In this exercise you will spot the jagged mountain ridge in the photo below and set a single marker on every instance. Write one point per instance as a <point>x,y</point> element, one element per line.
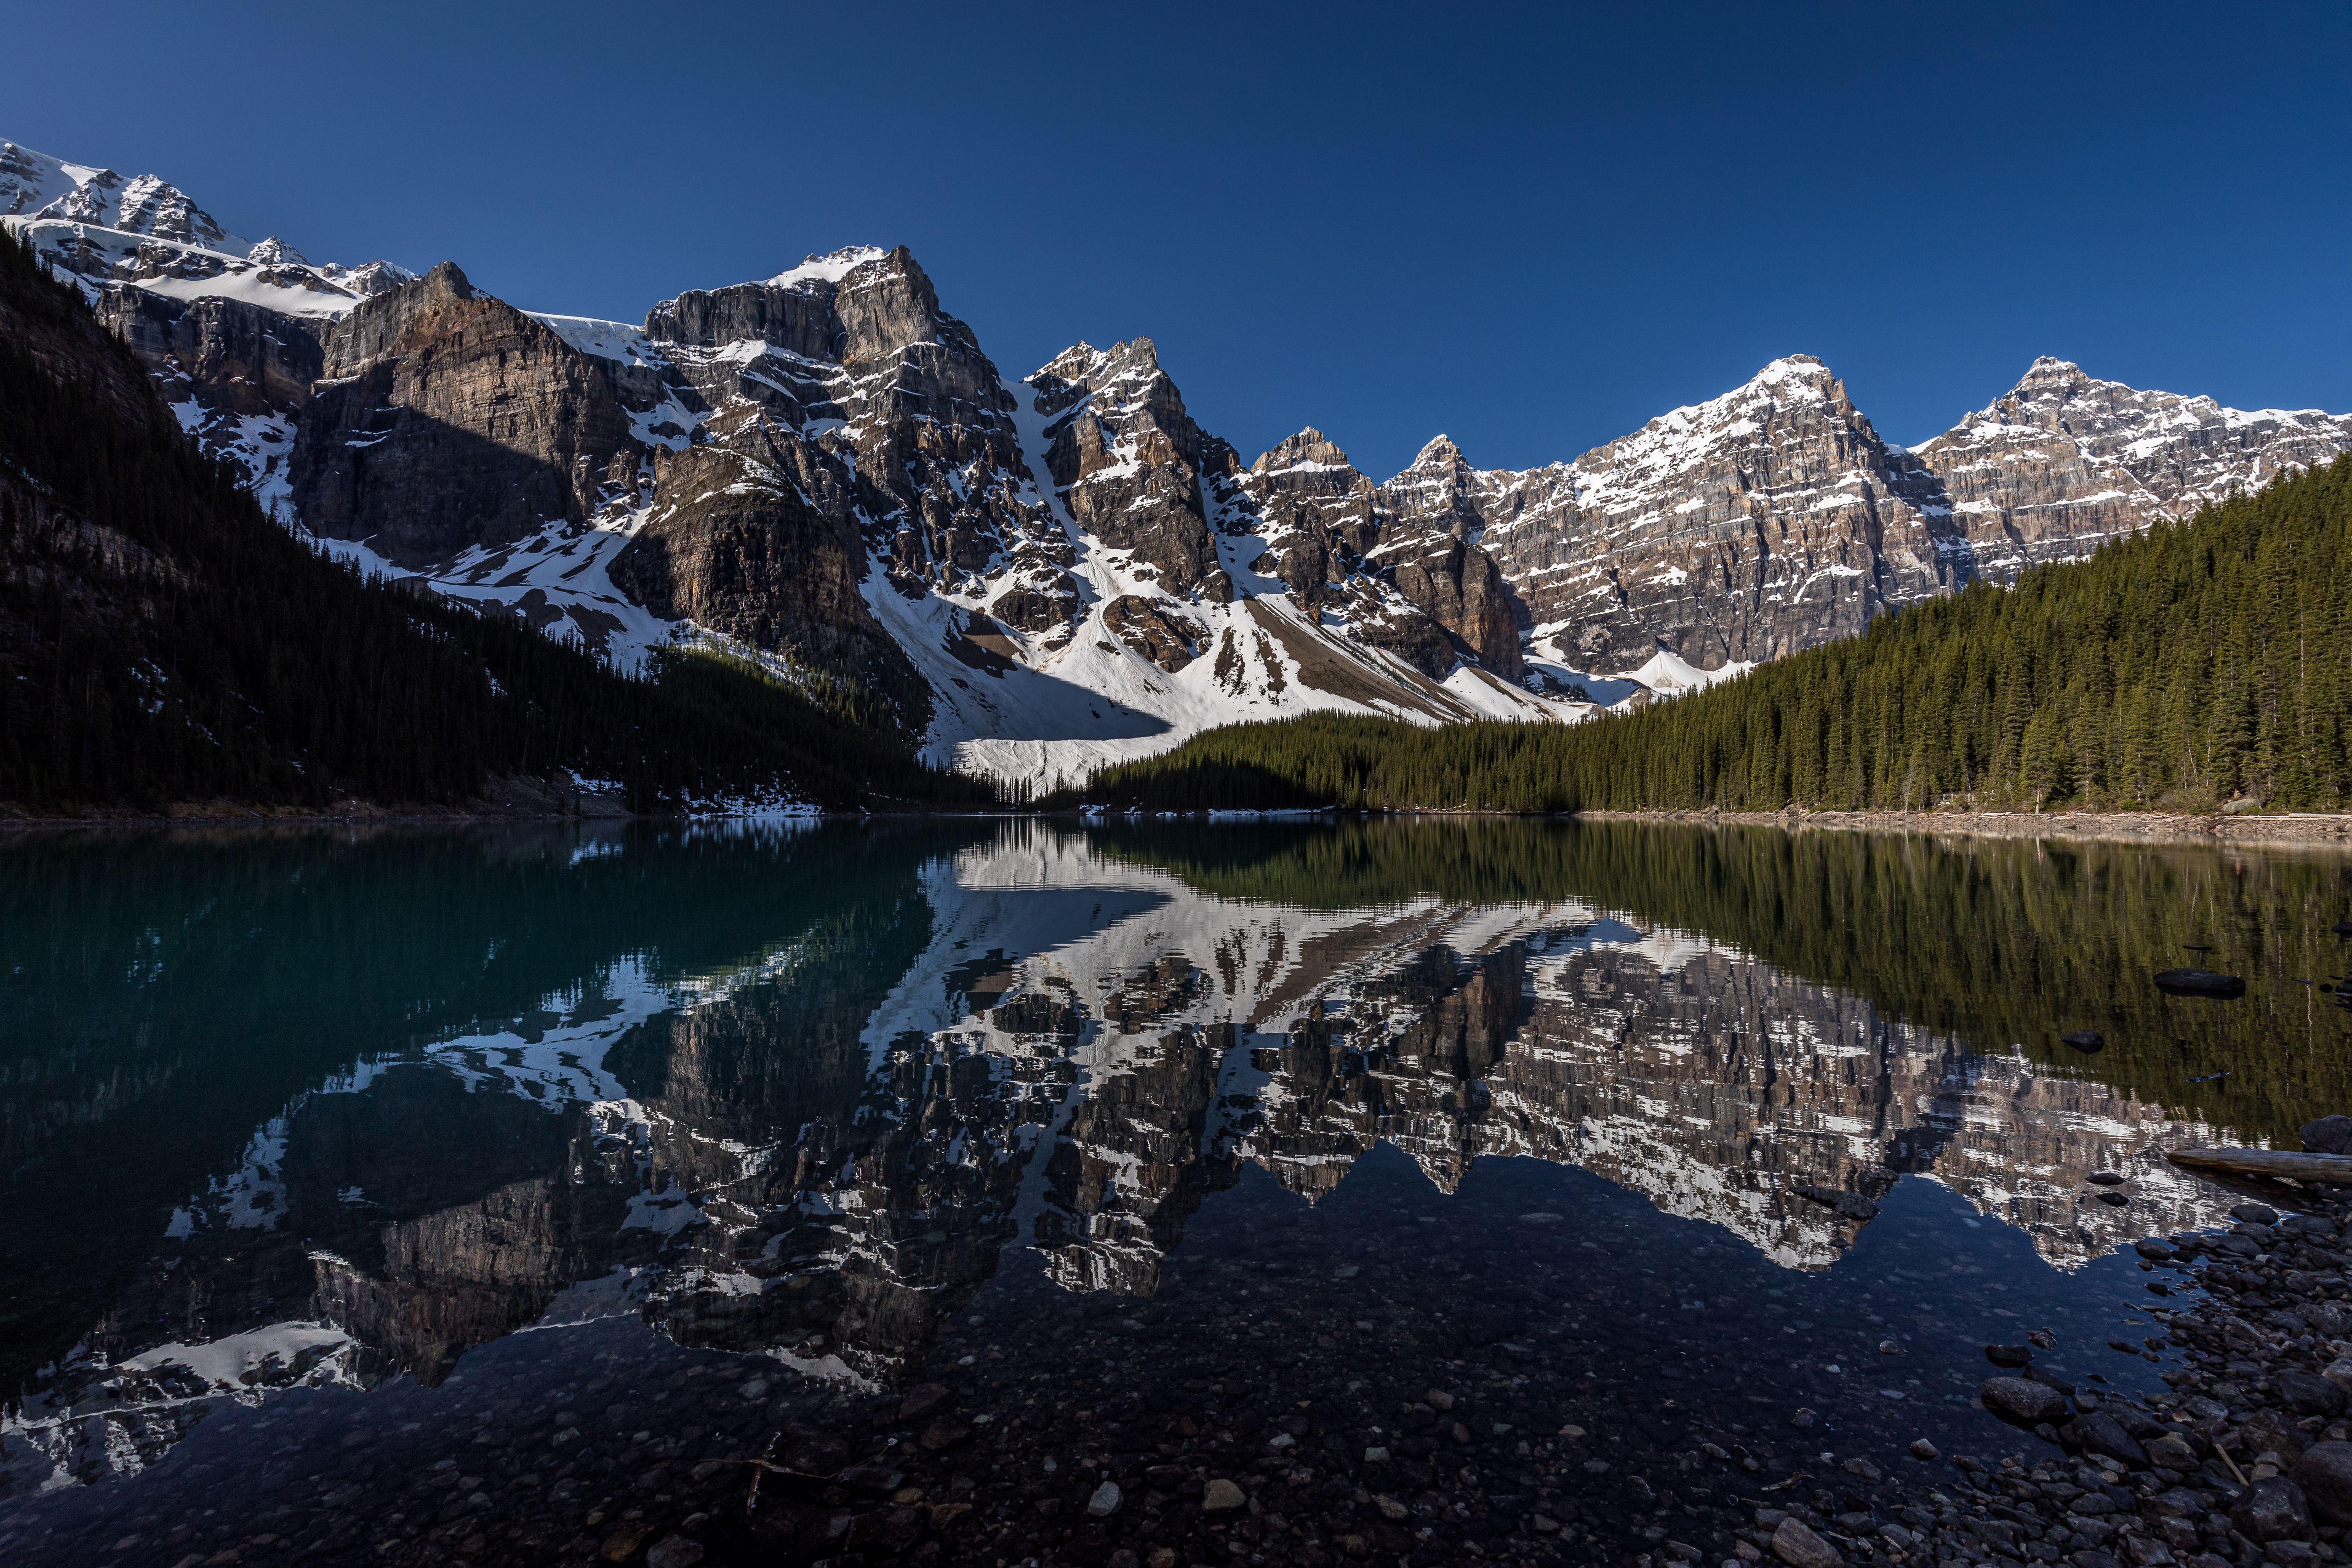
<point>824,468</point>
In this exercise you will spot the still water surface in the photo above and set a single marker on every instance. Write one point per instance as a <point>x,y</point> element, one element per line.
<point>328,1153</point>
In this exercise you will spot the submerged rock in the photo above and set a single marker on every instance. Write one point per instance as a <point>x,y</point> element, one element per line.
<point>2200,983</point>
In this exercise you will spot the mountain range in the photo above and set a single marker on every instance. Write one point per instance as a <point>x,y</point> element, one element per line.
<point>1031,578</point>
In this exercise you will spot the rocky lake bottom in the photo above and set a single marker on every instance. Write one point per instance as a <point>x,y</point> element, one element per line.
<point>857,1197</point>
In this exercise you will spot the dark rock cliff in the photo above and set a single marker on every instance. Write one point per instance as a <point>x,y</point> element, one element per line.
<point>446,418</point>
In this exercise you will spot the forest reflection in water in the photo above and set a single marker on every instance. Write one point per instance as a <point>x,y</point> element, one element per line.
<point>316,1110</point>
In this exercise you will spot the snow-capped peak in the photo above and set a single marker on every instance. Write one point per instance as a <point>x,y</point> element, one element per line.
<point>831,268</point>
<point>33,184</point>
<point>275,252</point>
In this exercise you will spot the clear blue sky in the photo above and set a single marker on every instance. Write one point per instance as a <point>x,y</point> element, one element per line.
<point>1531,228</point>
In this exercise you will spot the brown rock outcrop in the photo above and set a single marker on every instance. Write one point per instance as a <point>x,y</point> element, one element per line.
<point>446,418</point>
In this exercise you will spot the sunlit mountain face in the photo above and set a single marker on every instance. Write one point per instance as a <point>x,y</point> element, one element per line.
<point>845,1110</point>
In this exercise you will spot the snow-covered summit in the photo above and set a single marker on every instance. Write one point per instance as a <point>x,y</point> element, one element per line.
<point>34,184</point>
<point>831,268</point>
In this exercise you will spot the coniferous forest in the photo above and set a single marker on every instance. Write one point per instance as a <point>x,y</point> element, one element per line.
<point>2198,665</point>
<point>162,640</point>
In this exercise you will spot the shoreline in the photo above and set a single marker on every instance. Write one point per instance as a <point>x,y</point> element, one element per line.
<point>2295,831</point>
<point>2285,831</point>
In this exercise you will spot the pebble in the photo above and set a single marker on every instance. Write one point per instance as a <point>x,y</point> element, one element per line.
<point>1221,1496</point>
<point>1106,1498</point>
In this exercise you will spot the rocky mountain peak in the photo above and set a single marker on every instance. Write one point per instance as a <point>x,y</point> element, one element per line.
<point>445,278</point>
<point>275,252</point>
<point>1440,454</point>
<point>887,303</point>
<point>1311,450</point>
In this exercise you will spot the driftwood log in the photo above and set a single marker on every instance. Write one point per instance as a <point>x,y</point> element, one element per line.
<point>2335,1170</point>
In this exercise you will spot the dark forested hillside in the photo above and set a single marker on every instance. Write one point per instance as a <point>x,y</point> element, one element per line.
<point>2196,664</point>
<point>162,640</point>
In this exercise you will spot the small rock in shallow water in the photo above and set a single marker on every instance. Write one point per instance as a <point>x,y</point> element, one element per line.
<point>2007,1355</point>
<point>1888,1347</point>
<point>2042,1339</point>
<point>2200,983</point>
<point>1922,1449</point>
<point>1803,1417</point>
<point>674,1551</point>
<point>1106,1498</point>
<point>2083,1039</point>
<point>2019,1400</point>
<point>1220,1496</point>
<point>2106,1178</point>
<point>2255,1214</point>
<point>2156,1251</point>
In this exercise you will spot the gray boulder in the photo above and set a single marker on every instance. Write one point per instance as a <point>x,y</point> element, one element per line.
<point>2103,1434</point>
<point>1797,1545</point>
<point>2324,1474</point>
<point>2328,1135</point>
<point>2272,1509</point>
<point>2018,1399</point>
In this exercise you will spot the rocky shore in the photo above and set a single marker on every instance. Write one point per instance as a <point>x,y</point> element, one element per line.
<point>2248,1460</point>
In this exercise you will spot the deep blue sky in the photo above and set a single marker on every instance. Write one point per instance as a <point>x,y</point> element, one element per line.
<point>1533,229</point>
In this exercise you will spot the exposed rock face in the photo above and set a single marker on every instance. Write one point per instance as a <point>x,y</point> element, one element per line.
<point>1775,517</point>
<point>1164,636</point>
<point>239,373</point>
<point>234,357</point>
<point>1768,519</point>
<point>446,418</point>
<point>885,411</point>
<point>1334,536</point>
<point>2064,462</point>
<point>1129,460</point>
<point>732,544</point>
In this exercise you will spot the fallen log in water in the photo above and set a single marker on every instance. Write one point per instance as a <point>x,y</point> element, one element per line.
<point>2329,1169</point>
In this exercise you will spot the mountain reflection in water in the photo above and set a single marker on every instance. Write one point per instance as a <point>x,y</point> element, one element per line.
<point>306,1109</point>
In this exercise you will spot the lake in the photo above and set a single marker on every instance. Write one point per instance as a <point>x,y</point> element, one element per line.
<point>1516,1190</point>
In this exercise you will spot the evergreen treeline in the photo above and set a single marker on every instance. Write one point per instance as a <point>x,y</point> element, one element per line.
<point>2195,663</point>
<point>162,640</point>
